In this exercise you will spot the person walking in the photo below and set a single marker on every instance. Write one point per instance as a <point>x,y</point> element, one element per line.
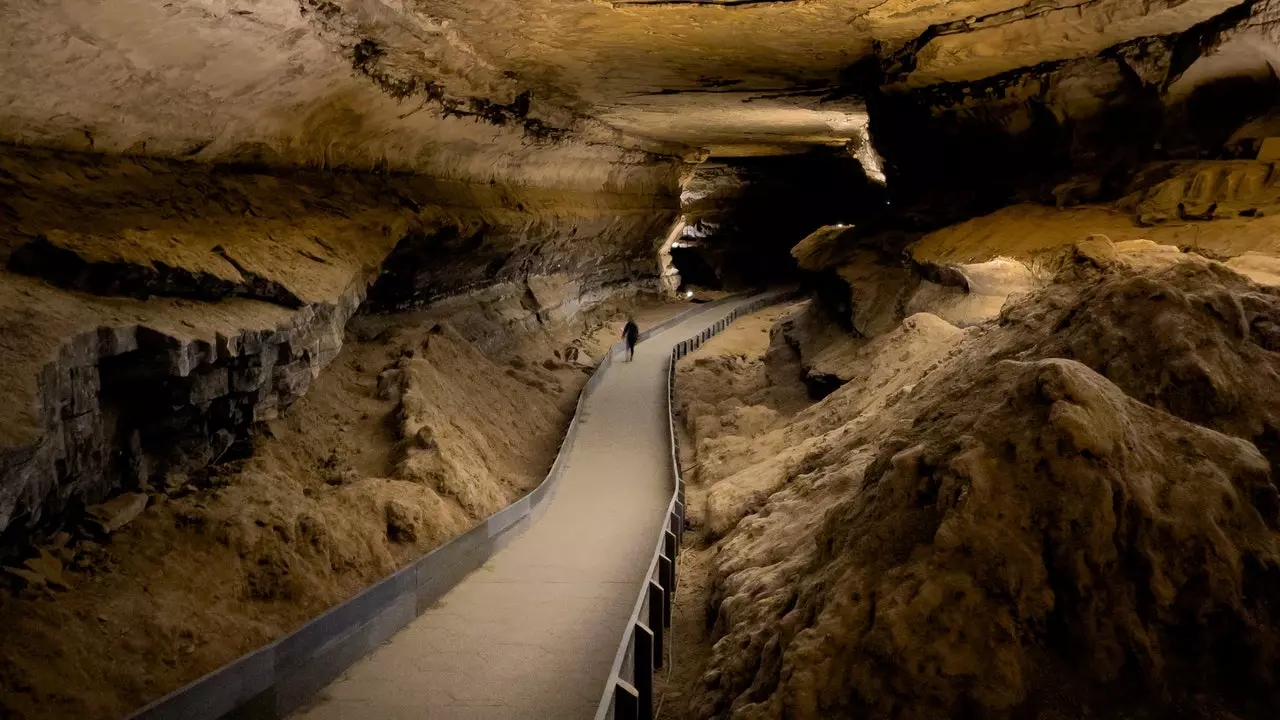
<point>631,335</point>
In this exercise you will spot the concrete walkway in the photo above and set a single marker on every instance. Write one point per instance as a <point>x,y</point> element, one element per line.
<point>532,634</point>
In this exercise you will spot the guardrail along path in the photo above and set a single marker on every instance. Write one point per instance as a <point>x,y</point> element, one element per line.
<point>534,632</point>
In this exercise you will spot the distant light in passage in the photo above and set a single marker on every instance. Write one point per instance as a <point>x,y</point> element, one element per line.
<point>688,293</point>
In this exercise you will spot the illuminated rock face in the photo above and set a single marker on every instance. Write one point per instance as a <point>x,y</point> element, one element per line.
<point>198,196</point>
<point>513,90</point>
<point>215,186</point>
<point>155,313</point>
<point>960,523</point>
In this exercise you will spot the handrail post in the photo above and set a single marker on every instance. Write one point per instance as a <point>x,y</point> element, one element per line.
<point>644,670</point>
<point>666,575</point>
<point>669,543</point>
<point>626,701</point>
<point>654,620</point>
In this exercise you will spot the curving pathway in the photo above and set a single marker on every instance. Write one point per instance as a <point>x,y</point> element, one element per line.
<point>533,633</point>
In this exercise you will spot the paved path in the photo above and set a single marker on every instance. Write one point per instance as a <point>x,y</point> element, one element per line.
<point>532,634</point>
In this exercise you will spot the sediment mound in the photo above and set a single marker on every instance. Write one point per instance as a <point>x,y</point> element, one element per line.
<point>1195,339</point>
<point>411,437</point>
<point>1070,514</point>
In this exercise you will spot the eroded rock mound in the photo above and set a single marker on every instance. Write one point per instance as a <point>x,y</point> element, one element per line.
<point>1073,514</point>
<point>1195,339</point>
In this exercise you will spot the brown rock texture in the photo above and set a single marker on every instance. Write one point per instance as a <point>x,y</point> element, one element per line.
<point>992,472</point>
<point>1068,510</point>
<point>503,89</point>
<point>424,424</point>
<point>155,313</point>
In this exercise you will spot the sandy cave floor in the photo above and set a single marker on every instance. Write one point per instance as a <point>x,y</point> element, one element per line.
<point>410,437</point>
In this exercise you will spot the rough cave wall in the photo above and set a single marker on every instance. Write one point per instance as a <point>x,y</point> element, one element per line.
<point>776,656</point>
<point>155,312</point>
<point>597,250</point>
<point>1076,130</point>
<point>480,176</point>
<point>1163,128</point>
<point>743,215</point>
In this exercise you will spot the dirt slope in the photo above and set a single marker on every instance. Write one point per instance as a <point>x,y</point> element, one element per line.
<point>411,437</point>
<point>1065,512</point>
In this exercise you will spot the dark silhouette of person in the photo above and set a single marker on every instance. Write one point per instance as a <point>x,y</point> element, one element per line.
<point>631,335</point>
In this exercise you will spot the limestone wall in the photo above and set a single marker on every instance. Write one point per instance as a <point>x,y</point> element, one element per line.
<point>153,314</point>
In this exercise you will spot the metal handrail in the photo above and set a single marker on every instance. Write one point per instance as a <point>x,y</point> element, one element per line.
<point>628,693</point>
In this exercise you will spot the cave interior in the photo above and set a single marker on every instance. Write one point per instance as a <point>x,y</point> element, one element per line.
<point>197,197</point>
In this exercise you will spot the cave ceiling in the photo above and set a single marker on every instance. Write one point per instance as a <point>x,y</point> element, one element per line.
<point>370,81</point>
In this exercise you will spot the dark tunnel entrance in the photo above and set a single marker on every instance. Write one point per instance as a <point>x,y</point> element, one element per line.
<point>744,215</point>
<point>694,267</point>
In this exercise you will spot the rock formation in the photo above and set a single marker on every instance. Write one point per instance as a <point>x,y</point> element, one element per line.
<point>155,312</point>
<point>198,197</point>
<point>1069,509</point>
<point>414,153</point>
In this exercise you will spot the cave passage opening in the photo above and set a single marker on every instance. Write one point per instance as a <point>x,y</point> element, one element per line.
<point>743,215</point>
<point>696,271</point>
